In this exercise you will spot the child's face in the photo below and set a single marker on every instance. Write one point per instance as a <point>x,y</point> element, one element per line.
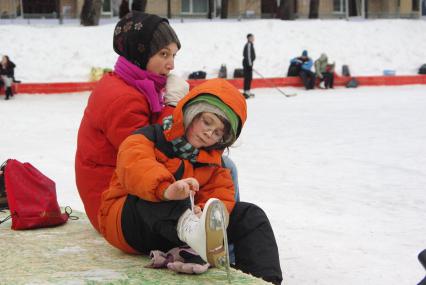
<point>205,130</point>
<point>164,60</point>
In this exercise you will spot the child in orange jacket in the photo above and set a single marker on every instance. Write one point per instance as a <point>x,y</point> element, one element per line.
<point>147,205</point>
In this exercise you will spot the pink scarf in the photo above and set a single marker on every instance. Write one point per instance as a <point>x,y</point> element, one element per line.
<point>148,83</point>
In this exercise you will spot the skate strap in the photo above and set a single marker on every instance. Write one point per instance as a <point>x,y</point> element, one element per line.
<point>191,197</point>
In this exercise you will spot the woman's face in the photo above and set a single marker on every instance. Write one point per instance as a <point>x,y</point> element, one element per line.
<point>163,61</point>
<point>205,130</point>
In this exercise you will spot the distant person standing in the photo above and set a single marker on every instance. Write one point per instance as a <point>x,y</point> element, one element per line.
<point>7,72</point>
<point>249,57</point>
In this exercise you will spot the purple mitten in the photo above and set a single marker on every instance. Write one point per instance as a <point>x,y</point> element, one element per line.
<point>186,260</point>
<point>188,268</point>
<point>159,259</point>
<point>179,259</point>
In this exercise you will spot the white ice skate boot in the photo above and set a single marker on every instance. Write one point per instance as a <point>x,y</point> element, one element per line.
<point>207,235</point>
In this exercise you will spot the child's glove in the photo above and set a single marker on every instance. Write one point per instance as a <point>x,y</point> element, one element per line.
<point>187,261</point>
<point>179,259</point>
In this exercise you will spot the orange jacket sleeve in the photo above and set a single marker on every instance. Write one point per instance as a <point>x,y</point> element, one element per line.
<point>138,170</point>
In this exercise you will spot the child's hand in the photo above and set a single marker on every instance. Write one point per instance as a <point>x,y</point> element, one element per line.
<point>181,189</point>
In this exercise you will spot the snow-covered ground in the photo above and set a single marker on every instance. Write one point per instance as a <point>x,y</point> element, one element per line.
<point>368,47</point>
<point>341,173</point>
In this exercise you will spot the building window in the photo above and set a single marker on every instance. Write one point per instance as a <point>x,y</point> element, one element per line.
<point>106,7</point>
<point>194,6</point>
<point>339,6</point>
<point>41,7</point>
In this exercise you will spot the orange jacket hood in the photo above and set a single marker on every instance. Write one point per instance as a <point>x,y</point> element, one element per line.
<point>216,87</point>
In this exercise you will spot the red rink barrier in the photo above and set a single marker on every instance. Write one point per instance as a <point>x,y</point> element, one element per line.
<point>71,87</point>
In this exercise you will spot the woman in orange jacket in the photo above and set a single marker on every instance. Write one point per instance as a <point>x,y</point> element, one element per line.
<point>160,166</point>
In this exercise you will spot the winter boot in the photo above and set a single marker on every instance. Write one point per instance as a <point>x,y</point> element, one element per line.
<point>246,94</point>
<point>10,91</point>
<point>207,235</point>
<point>6,93</point>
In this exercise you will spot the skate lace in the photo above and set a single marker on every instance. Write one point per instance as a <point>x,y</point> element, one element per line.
<point>190,223</point>
<point>191,197</point>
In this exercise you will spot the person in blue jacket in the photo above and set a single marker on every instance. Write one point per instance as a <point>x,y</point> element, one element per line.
<point>304,62</point>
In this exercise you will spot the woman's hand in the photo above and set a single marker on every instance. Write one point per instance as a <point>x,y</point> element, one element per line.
<point>181,189</point>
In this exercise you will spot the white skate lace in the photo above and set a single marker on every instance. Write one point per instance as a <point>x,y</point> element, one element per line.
<point>191,197</point>
<point>190,223</point>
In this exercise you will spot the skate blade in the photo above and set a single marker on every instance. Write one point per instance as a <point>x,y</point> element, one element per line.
<point>216,237</point>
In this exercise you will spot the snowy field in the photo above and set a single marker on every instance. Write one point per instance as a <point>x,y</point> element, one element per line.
<point>341,174</point>
<point>46,52</point>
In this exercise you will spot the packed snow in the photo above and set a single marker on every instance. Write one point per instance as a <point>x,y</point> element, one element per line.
<point>341,173</point>
<point>368,47</point>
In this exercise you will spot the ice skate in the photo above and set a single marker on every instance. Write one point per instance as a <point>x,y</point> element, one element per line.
<point>207,235</point>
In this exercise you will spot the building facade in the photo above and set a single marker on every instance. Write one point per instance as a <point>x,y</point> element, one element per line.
<point>236,8</point>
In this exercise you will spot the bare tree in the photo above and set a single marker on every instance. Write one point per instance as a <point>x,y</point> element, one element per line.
<point>60,14</point>
<point>313,9</point>
<point>269,8</point>
<point>286,10</point>
<point>353,9</point>
<point>211,7</point>
<point>224,10</point>
<point>91,12</point>
<point>124,8</point>
<point>169,9</point>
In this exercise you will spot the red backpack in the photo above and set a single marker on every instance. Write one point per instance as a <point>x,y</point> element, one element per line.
<point>31,197</point>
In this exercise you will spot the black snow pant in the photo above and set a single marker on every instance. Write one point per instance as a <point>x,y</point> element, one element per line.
<point>8,93</point>
<point>150,226</point>
<point>328,78</point>
<point>308,78</point>
<point>248,76</point>
<point>256,251</point>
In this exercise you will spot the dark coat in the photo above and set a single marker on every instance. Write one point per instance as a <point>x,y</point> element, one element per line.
<point>9,71</point>
<point>248,54</point>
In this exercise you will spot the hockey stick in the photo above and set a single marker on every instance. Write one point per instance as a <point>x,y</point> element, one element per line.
<point>273,85</point>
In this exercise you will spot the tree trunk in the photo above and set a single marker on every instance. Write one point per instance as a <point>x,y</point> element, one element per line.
<point>353,11</point>
<point>313,9</point>
<point>91,12</point>
<point>60,16</point>
<point>139,5</point>
<point>286,10</point>
<point>211,7</point>
<point>269,8</point>
<point>169,9</point>
<point>124,9</point>
<point>224,10</point>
